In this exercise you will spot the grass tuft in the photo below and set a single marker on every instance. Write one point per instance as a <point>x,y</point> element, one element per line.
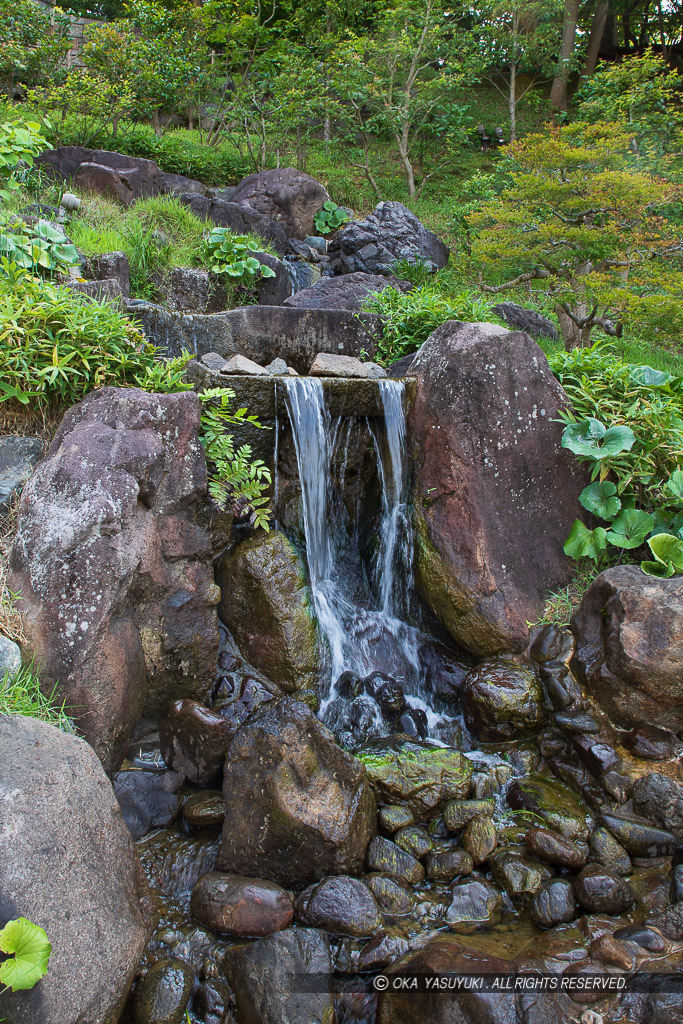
<point>22,696</point>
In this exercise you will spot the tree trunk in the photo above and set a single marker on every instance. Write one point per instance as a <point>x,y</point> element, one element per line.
<point>558,91</point>
<point>512,101</point>
<point>403,150</point>
<point>595,38</point>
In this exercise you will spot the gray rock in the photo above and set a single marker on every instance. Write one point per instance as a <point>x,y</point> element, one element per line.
<point>604,849</point>
<point>110,266</point>
<point>345,292</point>
<point>393,896</point>
<point>475,904</point>
<point>18,458</point>
<point>106,290</point>
<point>94,177</point>
<point>114,507</point>
<point>164,993</point>
<point>222,192</point>
<point>242,365</point>
<point>278,368</point>
<point>601,891</point>
<point>554,903</point>
<point>177,184</point>
<point>147,799</point>
<point>486,409</point>
<point>265,978</point>
<point>659,798</point>
<point>390,233</point>
<point>189,290</point>
<point>284,770</point>
<point>521,319</point>
<point>59,812</point>
<point>342,905</point>
<point>328,365</point>
<point>241,219</point>
<point>316,242</point>
<point>10,659</point>
<point>629,646</point>
<point>285,195</point>
<point>273,291</point>
<point>214,361</point>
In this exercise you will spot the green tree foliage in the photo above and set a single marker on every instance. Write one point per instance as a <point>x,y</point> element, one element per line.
<point>581,221</point>
<point>33,43</point>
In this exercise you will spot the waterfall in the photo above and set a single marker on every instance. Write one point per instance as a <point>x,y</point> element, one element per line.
<point>372,635</point>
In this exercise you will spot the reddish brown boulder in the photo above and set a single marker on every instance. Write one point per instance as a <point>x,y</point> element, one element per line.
<point>286,195</point>
<point>98,178</point>
<point>629,646</point>
<point>194,740</point>
<point>114,572</point>
<point>495,494</point>
<point>234,905</point>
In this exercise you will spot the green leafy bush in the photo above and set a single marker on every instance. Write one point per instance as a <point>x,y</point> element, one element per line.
<point>233,255</point>
<point>20,142</point>
<point>37,247</point>
<point>410,317</point>
<point>626,423</point>
<point>330,218</point>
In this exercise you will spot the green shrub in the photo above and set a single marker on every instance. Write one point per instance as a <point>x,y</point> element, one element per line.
<point>37,247</point>
<point>20,142</point>
<point>626,423</point>
<point>410,317</point>
<point>330,218</point>
<point>231,254</point>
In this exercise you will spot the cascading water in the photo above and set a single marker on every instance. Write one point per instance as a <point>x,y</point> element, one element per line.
<point>372,634</point>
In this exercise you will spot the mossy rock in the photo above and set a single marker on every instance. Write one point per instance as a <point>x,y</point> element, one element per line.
<point>421,778</point>
<point>552,802</point>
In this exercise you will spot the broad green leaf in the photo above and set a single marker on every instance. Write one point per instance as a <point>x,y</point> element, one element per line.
<point>674,485</point>
<point>601,499</point>
<point>585,543</point>
<point>592,439</point>
<point>662,569</point>
<point>630,529</point>
<point>31,948</point>
<point>649,377</point>
<point>667,548</point>
<point>267,271</point>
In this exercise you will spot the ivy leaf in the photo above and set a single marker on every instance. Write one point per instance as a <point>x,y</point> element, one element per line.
<point>591,438</point>
<point>31,948</point>
<point>600,498</point>
<point>585,543</point>
<point>630,529</point>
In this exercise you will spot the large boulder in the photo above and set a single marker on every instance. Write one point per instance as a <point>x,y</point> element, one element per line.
<point>114,572</point>
<point>242,220</point>
<point>390,233</point>
<point>70,866</point>
<point>287,196</point>
<point>522,319</point>
<point>266,605</point>
<point>130,177</point>
<point>345,292</point>
<point>298,807</point>
<point>495,494</point>
<point>629,646</point>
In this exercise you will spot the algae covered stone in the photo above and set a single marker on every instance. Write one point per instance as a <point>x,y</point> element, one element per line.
<point>266,605</point>
<point>501,700</point>
<point>423,778</point>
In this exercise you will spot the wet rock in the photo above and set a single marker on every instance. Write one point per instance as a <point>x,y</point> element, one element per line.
<point>553,904</point>
<point>10,659</point>
<point>457,813</point>
<point>265,978</point>
<point>560,686</point>
<point>204,810</point>
<point>651,742</point>
<point>442,669</point>
<point>390,233</point>
<point>284,195</point>
<point>445,865</point>
<point>70,865</point>
<point>501,700</point>
<point>601,891</point>
<point>393,817</point>
<point>629,632</point>
<point>516,873</point>
<point>234,905</point>
<point>597,755</point>
<point>555,849</point>
<point>18,459</point>
<point>638,838</point>
<point>479,838</point>
<point>327,365</point>
<point>211,1003</point>
<point>284,769</point>
<point>394,898</point>
<point>677,875</point>
<point>414,840</point>
<point>147,799</point>
<point>266,605</point>
<point>527,320</point>
<point>577,721</point>
<point>422,778</point>
<point>649,938</point>
<point>164,993</point>
<point>552,644</point>
<point>341,905</point>
<point>556,804</point>
<point>486,409</point>
<point>659,798</point>
<point>194,740</point>
<point>550,743</point>
<point>617,785</point>
<point>608,950</point>
<point>670,922</point>
<point>475,904</point>
<point>238,696</point>
<point>604,849</point>
<point>414,723</point>
<point>138,629</point>
<point>346,292</point>
<point>382,950</point>
<point>390,859</point>
<point>584,969</point>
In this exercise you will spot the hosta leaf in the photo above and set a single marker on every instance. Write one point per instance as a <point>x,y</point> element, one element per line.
<point>585,543</point>
<point>630,529</point>
<point>31,948</point>
<point>649,377</point>
<point>592,439</point>
<point>662,569</point>
<point>601,499</point>
<point>667,548</point>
